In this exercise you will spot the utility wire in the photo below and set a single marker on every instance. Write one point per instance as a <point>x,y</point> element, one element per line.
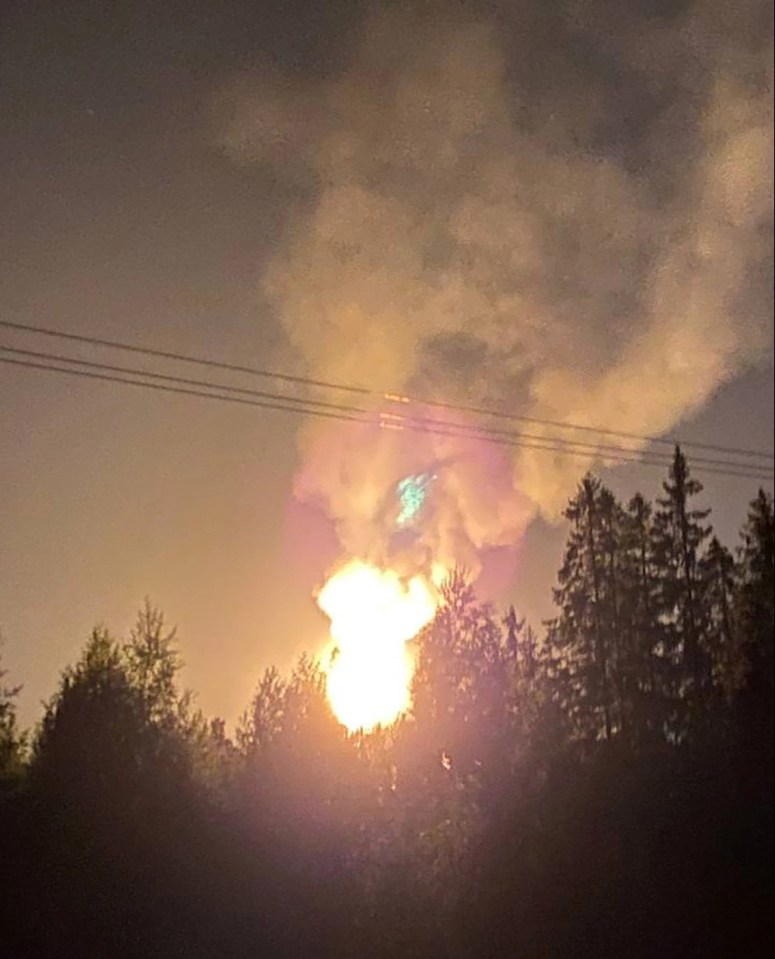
<point>375,394</point>
<point>463,429</point>
<point>448,427</point>
<point>305,407</point>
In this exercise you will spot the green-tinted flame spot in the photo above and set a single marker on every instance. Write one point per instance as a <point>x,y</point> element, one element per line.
<point>412,492</point>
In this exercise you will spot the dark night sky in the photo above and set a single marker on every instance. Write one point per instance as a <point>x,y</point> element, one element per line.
<point>122,216</point>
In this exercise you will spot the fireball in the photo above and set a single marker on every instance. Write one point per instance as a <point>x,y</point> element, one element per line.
<point>373,613</point>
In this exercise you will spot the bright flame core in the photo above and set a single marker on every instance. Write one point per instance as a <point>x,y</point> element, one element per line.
<point>373,614</point>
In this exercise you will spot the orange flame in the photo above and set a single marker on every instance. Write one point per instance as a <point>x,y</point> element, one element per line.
<point>373,614</point>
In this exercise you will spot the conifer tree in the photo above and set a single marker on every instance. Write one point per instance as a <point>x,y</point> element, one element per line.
<point>586,635</point>
<point>679,537</point>
<point>648,681</point>
<point>718,577</point>
<point>755,605</point>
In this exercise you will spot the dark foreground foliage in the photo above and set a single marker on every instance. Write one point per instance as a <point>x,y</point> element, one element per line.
<point>606,792</point>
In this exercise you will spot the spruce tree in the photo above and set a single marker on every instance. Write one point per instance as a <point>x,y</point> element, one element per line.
<point>718,575</point>
<point>647,642</point>
<point>679,536</point>
<point>755,605</point>
<point>590,659</point>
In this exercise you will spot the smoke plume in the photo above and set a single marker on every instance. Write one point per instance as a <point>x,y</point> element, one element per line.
<point>563,211</point>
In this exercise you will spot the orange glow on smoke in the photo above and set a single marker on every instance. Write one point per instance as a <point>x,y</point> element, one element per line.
<point>373,614</point>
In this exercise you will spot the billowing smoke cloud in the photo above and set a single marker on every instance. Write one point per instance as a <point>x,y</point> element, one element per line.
<point>564,213</point>
<point>352,471</point>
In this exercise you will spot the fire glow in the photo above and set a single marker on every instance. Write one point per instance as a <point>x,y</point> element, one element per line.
<point>406,507</point>
<point>373,613</point>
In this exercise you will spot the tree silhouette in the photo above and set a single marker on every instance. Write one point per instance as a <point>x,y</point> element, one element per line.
<point>586,636</point>
<point>679,535</point>
<point>11,739</point>
<point>755,603</point>
<point>603,791</point>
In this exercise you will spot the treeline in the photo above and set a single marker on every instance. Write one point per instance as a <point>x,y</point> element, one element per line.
<point>604,790</point>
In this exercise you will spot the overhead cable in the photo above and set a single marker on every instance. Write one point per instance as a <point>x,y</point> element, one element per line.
<point>392,397</point>
<point>275,401</point>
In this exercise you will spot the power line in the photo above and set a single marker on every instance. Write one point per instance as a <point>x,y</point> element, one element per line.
<point>447,426</point>
<point>402,420</point>
<point>375,394</point>
<point>310,408</point>
<point>395,421</point>
<point>263,404</point>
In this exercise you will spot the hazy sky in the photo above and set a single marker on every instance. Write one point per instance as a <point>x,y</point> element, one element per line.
<point>194,176</point>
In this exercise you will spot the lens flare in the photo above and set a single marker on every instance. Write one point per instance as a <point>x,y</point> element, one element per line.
<point>373,614</point>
